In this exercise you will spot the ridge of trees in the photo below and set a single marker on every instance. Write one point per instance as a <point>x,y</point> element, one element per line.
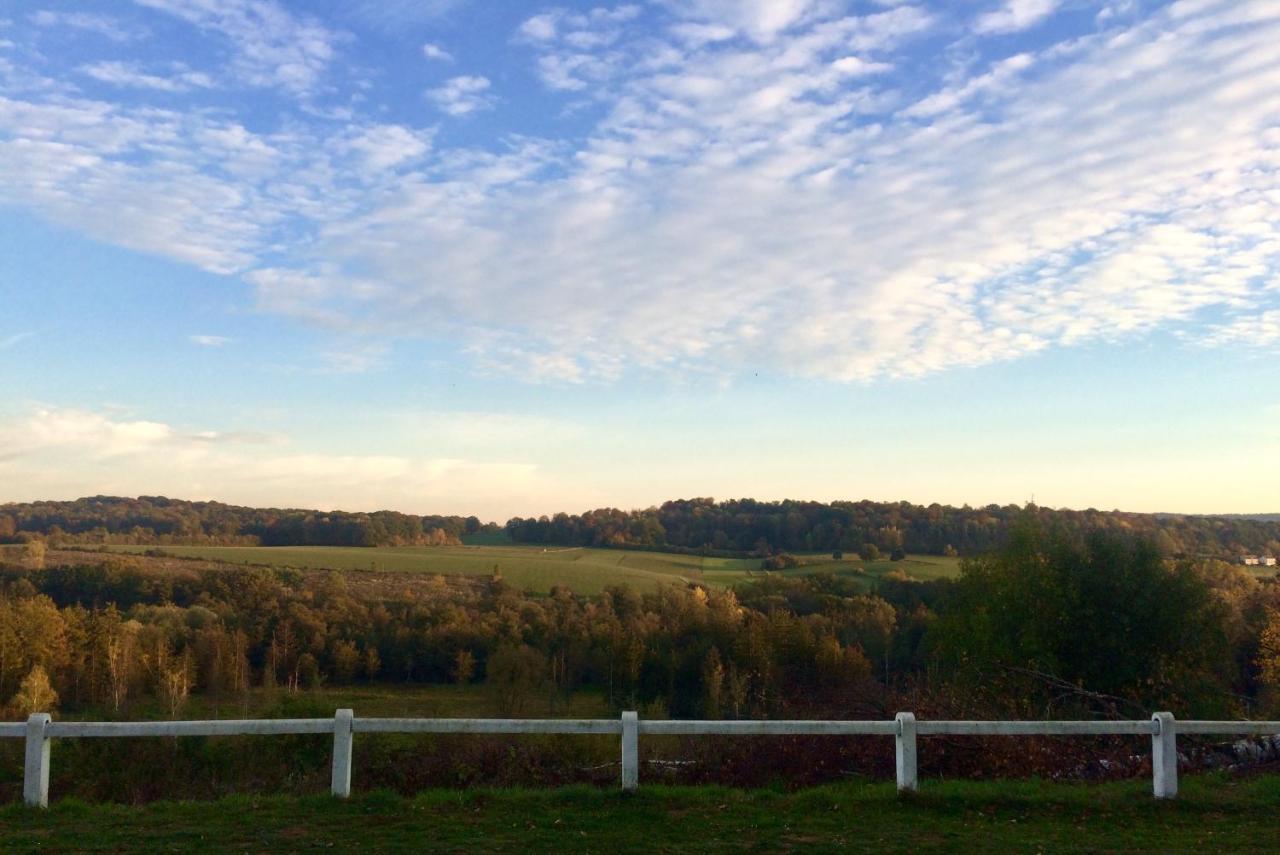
<point>705,526</point>
<point>740,526</point>
<point>159,520</point>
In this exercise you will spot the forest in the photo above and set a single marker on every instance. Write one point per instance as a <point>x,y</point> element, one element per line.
<point>737,527</point>
<point>157,520</point>
<point>743,526</point>
<point>1052,623</point>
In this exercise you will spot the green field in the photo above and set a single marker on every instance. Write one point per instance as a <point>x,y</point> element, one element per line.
<point>1213,814</point>
<point>533,568</point>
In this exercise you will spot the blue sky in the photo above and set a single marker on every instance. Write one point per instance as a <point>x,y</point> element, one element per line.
<point>512,258</point>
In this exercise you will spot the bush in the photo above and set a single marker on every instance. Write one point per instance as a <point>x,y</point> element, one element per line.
<point>781,561</point>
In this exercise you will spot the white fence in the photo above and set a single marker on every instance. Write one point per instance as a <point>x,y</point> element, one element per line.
<point>1163,729</point>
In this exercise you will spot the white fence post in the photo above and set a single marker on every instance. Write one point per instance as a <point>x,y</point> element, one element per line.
<point>1164,756</point>
<point>630,751</point>
<point>342,738</point>
<point>35,775</point>
<point>905,745</point>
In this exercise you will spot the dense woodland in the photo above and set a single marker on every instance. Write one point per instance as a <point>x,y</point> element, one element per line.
<point>155,519</point>
<point>1053,623</point>
<point>749,526</point>
<point>734,527</point>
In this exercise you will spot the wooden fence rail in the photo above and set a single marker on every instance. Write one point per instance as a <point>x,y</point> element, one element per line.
<point>40,729</point>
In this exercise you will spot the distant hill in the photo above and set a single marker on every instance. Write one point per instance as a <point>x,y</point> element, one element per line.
<point>159,520</point>
<point>730,528</point>
<point>740,526</point>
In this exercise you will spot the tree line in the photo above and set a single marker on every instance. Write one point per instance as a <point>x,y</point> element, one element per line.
<point>748,526</point>
<point>736,527</point>
<point>158,520</point>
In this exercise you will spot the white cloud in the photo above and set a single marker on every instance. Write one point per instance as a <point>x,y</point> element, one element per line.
<point>698,34</point>
<point>66,453</point>
<point>93,433</point>
<point>152,180</point>
<point>1247,331</point>
<point>577,50</point>
<point>100,24</point>
<point>271,46</point>
<point>209,340</point>
<point>790,236</point>
<point>853,66</point>
<point>129,75</point>
<point>1015,15</point>
<point>432,50</point>
<point>772,198</point>
<point>387,146</point>
<point>462,95</point>
<point>539,28</point>
<point>1003,78</point>
<point>762,20</point>
<point>14,340</point>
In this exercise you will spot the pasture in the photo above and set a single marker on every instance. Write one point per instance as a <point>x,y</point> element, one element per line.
<point>1213,813</point>
<point>539,569</point>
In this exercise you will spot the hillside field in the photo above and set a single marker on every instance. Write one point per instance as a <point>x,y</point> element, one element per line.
<point>534,568</point>
<point>1212,814</point>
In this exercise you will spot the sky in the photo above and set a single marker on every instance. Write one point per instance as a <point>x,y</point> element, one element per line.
<point>453,256</point>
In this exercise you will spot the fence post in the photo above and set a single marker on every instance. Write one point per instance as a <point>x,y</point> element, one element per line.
<point>1164,756</point>
<point>35,773</point>
<point>630,751</point>
<point>905,744</point>
<point>342,737</point>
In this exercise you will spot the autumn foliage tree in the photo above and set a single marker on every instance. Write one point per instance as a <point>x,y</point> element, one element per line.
<point>1055,621</point>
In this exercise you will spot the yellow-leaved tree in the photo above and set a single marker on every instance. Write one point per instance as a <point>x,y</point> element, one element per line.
<point>35,693</point>
<point>1269,653</point>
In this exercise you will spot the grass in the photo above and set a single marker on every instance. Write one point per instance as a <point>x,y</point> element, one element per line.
<point>1213,813</point>
<point>532,568</point>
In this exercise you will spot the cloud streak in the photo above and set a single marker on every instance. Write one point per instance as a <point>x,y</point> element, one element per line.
<point>1016,15</point>
<point>101,25</point>
<point>270,46</point>
<point>129,75</point>
<point>462,95</point>
<point>66,453</point>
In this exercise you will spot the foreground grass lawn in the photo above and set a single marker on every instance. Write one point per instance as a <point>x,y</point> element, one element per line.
<point>1213,814</point>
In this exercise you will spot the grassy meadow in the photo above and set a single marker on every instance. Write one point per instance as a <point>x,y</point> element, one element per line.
<point>1213,813</point>
<point>534,568</point>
